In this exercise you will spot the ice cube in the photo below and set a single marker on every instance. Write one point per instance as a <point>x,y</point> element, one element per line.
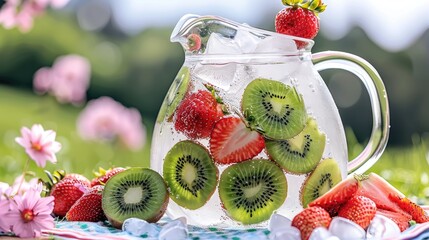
<point>321,233</point>
<point>217,44</point>
<point>247,41</point>
<point>218,75</point>
<point>344,228</point>
<point>382,227</point>
<point>276,44</point>
<point>278,221</point>
<point>138,227</point>
<point>174,230</point>
<point>287,232</point>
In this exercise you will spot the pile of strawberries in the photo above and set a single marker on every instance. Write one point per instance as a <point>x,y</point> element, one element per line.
<point>76,197</point>
<point>359,198</point>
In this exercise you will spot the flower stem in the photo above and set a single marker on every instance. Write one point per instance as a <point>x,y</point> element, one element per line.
<point>23,175</point>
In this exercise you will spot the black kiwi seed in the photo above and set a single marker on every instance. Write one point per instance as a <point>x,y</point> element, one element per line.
<point>326,175</point>
<point>251,190</point>
<point>301,153</point>
<point>274,109</point>
<point>135,192</point>
<point>190,174</point>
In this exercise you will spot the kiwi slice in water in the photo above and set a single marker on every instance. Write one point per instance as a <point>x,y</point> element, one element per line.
<point>252,190</point>
<point>274,109</point>
<point>135,192</point>
<point>190,174</point>
<point>326,175</point>
<point>300,154</point>
<point>175,94</point>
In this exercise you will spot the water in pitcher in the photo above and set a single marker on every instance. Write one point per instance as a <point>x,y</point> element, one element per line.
<point>229,65</point>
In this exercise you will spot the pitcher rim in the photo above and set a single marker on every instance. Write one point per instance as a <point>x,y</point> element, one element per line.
<point>184,24</point>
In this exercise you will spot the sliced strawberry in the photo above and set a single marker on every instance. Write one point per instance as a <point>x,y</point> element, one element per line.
<point>417,213</point>
<point>309,219</point>
<point>88,207</point>
<point>403,221</point>
<point>359,209</point>
<point>332,200</point>
<point>197,114</point>
<point>231,141</point>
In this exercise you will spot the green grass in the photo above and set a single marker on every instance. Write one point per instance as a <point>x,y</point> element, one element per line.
<point>20,108</point>
<point>404,167</point>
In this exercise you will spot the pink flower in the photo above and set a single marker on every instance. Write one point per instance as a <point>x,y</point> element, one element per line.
<point>104,119</point>
<point>30,214</point>
<point>39,144</point>
<point>23,19</point>
<point>10,17</point>
<point>68,79</point>
<point>132,131</point>
<point>4,209</point>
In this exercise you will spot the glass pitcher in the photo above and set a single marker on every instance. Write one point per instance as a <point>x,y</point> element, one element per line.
<point>248,126</point>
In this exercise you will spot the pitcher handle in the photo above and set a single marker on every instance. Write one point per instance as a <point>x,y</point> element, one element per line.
<point>379,103</point>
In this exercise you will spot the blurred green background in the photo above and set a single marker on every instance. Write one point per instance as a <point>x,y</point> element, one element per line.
<point>137,67</point>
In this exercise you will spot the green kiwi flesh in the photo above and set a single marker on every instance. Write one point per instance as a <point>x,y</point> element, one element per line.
<point>178,89</point>
<point>274,108</point>
<point>252,190</point>
<point>135,192</point>
<point>326,175</point>
<point>300,154</point>
<point>190,174</point>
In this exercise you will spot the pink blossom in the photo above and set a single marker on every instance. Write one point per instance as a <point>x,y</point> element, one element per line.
<point>23,19</point>
<point>21,13</point>
<point>68,79</point>
<point>30,214</point>
<point>4,209</point>
<point>132,131</point>
<point>105,119</point>
<point>42,80</point>
<point>39,144</point>
<point>20,186</point>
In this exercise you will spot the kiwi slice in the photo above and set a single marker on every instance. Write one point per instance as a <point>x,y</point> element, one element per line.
<point>190,174</point>
<point>175,94</point>
<point>326,175</point>
<point>274,109</point>
<point>135,192</point>
<point>252,190</point>
<point>300,154</point>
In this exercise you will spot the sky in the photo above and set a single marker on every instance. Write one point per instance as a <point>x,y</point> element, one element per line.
<point>392,24</point>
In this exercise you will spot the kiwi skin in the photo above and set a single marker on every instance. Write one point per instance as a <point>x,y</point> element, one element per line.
<point>117,223</point>
<point>326,166</point>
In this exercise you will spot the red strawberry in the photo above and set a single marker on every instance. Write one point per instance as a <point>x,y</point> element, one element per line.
<point>417,213</point>
<point>102,176</point>
<point>231,141</point>
<point>309,219</point>
<point>299,19</point>
<point>194,42</point>
<point>401,220</point>
<point>197,114</point>
<point>332,200</point>
<point>67,191</point>
<point>359,209</point>
<point>88,207</point>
